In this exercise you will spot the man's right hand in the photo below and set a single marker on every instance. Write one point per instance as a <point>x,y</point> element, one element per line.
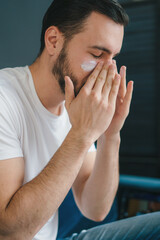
<point>92,110</point>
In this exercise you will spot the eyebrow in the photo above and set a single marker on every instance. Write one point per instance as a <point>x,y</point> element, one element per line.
<point>104,49</point>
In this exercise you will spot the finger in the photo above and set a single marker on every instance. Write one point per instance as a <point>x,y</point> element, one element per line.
<point>114,90</point>
<point>92,78</point>
<point>114,62</point>
<point>128,96</point>
<point>69,91</point>
<point>101,78</point>
<point>122,89</point>
<point>108,83</point>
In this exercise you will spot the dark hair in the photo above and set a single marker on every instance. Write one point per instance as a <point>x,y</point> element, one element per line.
<point>70,15</point>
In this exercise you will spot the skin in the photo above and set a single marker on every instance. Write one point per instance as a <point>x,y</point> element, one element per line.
<point>97,112</point>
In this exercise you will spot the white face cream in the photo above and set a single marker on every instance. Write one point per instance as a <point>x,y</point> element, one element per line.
<point>88,66</point>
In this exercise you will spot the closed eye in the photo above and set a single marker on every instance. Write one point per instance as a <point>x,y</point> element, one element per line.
<point>95,56</point>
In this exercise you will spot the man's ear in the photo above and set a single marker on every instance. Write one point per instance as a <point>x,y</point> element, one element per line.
<point>52,38</point>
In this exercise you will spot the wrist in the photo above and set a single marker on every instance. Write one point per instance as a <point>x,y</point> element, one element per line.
<point>109,145</point>
<point>80,139</point>
<point>110,138</point>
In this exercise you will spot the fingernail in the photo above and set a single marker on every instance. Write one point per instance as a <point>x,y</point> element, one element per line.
<point>124,68</point>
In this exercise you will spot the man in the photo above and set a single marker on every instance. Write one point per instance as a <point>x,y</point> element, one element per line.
<point>46,148</point>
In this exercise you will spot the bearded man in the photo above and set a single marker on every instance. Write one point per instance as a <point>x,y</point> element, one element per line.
<point>52,112</point>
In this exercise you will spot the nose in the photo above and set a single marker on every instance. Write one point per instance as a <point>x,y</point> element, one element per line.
<point>109,57</point>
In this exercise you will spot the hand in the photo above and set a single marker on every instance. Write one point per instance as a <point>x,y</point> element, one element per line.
<point>92,110</point>
<point>122,104</point>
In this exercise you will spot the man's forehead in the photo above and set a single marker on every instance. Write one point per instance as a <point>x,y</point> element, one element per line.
<point>102,32</point>
<point>96,18</point>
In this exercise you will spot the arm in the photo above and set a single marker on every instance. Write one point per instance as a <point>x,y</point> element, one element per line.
<point>22,207</point>
<point>97,182</point>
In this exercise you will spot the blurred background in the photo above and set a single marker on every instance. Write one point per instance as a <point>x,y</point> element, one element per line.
<point>140,149</point>
<point>139,191</point>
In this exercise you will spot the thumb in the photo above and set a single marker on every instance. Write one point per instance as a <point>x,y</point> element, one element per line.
<point>69,91</point>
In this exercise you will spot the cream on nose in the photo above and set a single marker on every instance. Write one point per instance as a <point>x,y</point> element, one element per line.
<point>88,66</point>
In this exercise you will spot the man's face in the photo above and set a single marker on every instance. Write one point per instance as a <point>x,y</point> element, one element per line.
<point>101,40</point>
<point>63,68</point>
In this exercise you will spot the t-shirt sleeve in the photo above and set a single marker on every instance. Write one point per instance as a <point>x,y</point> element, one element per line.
<point>92,148</point>
<point>10,146</point>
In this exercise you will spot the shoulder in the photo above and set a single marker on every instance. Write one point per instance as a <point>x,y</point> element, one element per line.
<point>10,92</point>
<point>12,76</point>
<point>11,80</point>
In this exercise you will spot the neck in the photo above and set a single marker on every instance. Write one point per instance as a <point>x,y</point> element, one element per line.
<point>46,85</point>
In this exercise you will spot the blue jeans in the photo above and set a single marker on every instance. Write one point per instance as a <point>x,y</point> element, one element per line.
<point>143,227</point>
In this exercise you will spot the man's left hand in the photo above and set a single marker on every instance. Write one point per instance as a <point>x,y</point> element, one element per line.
<point>122,105</point>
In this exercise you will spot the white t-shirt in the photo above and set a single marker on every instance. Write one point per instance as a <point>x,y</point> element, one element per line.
<point>29,130</point>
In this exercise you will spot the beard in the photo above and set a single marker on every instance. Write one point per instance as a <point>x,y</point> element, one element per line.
<point>63,68</point>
